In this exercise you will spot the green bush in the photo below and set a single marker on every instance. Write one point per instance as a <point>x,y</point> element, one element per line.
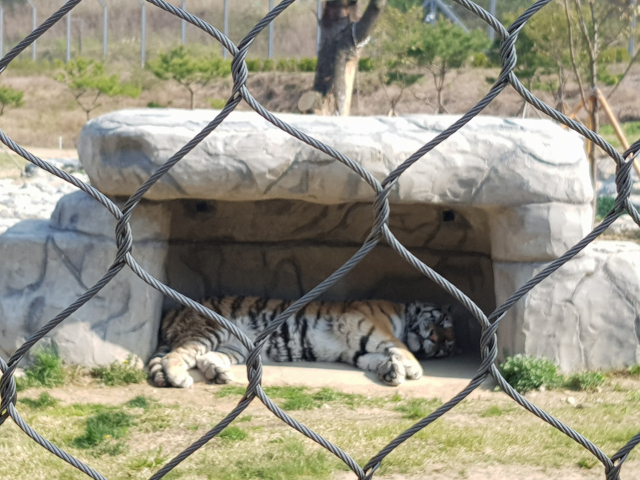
<point>268,65</point>
<point>307,64</point>
<point>117,373</point>
<point>585,380</point>
<point>526,373</point>
<point>46,371</point>
<point>254,64</point>
<point>365,64</point>
<point>480,60</point>
<point>603,205</point>
<point>217,103</point>
<point>287,65</point>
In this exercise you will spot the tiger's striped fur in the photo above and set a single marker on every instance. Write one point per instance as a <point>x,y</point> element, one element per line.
<point>367,334</point>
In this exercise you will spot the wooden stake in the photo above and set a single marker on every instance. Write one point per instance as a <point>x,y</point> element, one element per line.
<point>616,127</point>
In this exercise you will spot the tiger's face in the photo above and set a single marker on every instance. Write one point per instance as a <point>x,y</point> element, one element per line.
<point>429,330</point>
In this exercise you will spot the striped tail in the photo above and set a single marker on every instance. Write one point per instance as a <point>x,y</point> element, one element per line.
<point>156,372</point>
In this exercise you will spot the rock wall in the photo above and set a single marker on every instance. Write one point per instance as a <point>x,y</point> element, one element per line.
<point>254,211</point>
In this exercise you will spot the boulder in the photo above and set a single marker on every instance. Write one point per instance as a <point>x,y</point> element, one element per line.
<point>50,268</point>
<point>586,315</point>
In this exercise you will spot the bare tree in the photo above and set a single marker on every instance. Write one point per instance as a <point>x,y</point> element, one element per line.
<point>341,34</point>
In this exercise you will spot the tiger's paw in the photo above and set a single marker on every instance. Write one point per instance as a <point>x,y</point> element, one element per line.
<point>391,372</point>
<point>215,367</point>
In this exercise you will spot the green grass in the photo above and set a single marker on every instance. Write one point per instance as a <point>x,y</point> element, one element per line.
<point>631,131</point>
<point>46,371</point>
<point>141,402</point>
<point>634,370</point>
<point>43,401</point>
<point>417,408</point>
<point>585,380</point>
<point>100,431</point>
<point>11,162</point>
<point>293,460</point>
<point>120,373</point>
<point>303,398</point>
<point>233,434</point>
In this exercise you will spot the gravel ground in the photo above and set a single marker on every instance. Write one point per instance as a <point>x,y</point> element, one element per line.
<point>34,194</point>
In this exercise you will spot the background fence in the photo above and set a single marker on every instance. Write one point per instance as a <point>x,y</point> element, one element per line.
<point>380,231</point>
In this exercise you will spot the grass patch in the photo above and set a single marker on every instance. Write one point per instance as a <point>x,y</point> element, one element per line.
<point>233,434</point>
<point>634,370</point>
<point>46,371</point>
<point>102,428</point>
<point>230,390</point>
<point>43,401</point>
<point>587,463</point>
<point>141,402</point>
<point>416,408</point>
<point>151,460</point>
<point>303,398</point>
<point>585,380</point>
<point>11,162</point>
<point>631,131</point>
<point>120,373</point>
<point>492,411</point>
<point>526,373</point>
<point>292,461</point>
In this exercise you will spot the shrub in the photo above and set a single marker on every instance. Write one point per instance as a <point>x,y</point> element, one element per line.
<point>217,103</point>
<point>365,64</point>
<point>117,373</point>
<point>480,60</point>
<point>585,380</point>
<point>307,64</point>
<point>254,64</point>
<point>526,373</point>
<point>46,371</point>
<point>603,206</point>
<point>268,65</point>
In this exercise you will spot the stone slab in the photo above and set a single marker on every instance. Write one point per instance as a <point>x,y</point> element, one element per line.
<point>490,162</point>
<point>586,315</point>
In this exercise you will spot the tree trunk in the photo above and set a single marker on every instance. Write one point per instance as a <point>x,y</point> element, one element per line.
<point>340,33</point>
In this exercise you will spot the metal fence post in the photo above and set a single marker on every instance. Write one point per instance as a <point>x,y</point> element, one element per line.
<point>183,24</point>
<point>632,27</point>
<point>270,51</point>
<point>34,25</point>
<point>1,31</point>
<point>225,25</point>
<point>318,30</point>
<point>143,32</point>
<point>492,11</point>
<point>68,57</point>
<point>105,26</point>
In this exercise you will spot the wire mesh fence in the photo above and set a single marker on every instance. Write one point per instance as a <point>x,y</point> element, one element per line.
<point>379,232</point>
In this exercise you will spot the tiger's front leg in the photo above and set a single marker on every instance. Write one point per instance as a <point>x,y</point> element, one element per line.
<point>393,366</point>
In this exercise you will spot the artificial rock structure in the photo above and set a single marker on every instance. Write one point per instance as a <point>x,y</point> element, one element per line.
<point>254,211</point>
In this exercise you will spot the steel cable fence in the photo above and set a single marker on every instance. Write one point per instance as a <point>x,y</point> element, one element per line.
<point>380,231</point>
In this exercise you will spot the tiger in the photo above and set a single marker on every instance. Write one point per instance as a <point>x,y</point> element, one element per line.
<point>373,335</point>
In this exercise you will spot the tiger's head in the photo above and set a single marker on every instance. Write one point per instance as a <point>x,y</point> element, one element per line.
<point>429,330</point>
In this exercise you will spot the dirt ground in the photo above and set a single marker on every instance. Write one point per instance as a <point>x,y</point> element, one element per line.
<point>487,437</point>
<point>50,112</point>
